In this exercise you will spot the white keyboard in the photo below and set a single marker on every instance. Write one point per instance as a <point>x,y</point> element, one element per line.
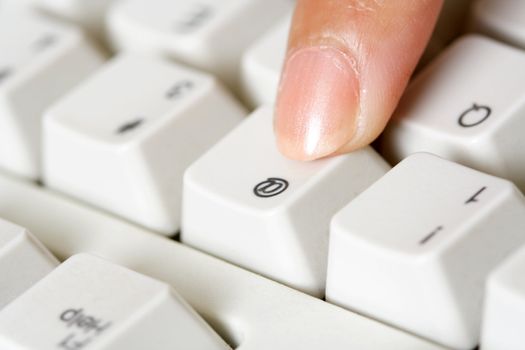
<point>144,204</point>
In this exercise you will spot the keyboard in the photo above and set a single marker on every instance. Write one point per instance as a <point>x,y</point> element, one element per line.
<point>144,203</point>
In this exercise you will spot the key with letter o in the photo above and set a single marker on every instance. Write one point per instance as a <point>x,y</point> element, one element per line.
<point>466,106</point>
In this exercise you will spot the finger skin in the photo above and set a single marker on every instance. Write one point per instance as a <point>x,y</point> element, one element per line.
<point>347,64</point>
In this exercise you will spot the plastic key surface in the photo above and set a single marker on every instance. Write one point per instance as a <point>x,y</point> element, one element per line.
<point>40,60</point>
<point>265,212</point>
<point>414,250</point>
<point>90,303</point>
<point>23,261</point>
<point>122,139</point>
<point>89,15</point>
<point>466,106</point>
<point>504,306</point>
<point>208,34</point>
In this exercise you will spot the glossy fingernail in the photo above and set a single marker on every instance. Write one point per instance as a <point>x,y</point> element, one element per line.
<point>318,103</point>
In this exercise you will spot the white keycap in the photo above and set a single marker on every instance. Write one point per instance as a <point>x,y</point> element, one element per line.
<point>90,303</point>
<point>415,248</point>
<point>122,140</point>
<point>40,60</point>
<point>503,20</point>
<point>267,213</point>
<point>23,261</point>
<point>262,63</point>
<point>466,106</point>
<point>208,34</point>
<point>504,306</point>
<point>252,312</point>
<point>90,14</point>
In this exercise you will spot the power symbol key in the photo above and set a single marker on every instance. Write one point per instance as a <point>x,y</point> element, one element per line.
<point>270,187</point>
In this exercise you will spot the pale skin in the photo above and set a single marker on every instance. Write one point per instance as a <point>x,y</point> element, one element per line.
<point>347,65</point>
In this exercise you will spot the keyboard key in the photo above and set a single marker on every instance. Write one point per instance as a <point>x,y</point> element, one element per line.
<point>262,63</point>
<point>504,306</point>
<point>267,213</point>
<point>23,261</point>
<point>88,302</point>
<point>40,60</point>
<point>503,20</point>
<point>122,140</point>
<point>208,34</point>
<point>415,248</point>
<point>465,107</point>
<point>250,311</point>
<point>90,15</point>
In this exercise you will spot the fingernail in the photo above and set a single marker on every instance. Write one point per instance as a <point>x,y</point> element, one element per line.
<point>318,103</point>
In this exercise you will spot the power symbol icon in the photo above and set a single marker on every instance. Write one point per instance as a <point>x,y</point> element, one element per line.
<point>270,187</point>
<point>473,116</point>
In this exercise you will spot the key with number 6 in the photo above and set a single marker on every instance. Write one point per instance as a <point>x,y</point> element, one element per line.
<point>122,140</point>
<point>415,248</point>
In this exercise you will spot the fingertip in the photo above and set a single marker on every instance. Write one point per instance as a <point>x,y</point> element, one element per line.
<point>345,71</point>
<point>318,103</point>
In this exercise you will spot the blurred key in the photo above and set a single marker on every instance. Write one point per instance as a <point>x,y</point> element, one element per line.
<point>89,15</point>
<point>503,20</point>
<point>208,34</point>
<point>504,306</point>
<point>40,60</point>
<point>262,63</point>
<point>23,261</point>
<point>90,303</point>
<point>415,248</point>
<point>122,140</point>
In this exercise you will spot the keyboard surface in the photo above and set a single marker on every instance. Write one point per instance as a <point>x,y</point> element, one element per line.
<point>133,131</point>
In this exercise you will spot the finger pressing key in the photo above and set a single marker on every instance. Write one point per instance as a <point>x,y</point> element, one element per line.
<point>347,65</point>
